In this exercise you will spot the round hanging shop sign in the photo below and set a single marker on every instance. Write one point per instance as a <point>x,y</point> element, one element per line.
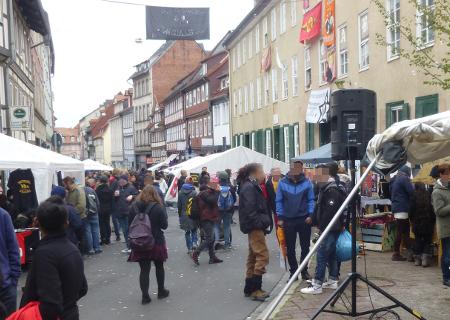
<point>20,113</point>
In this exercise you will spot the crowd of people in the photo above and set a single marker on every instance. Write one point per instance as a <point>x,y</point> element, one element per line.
<point>80,220</point>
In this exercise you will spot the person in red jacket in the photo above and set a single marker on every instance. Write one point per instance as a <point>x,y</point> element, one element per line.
<point>209,216</point>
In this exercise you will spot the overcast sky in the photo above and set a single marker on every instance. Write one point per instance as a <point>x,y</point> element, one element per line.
<point>95,47</point>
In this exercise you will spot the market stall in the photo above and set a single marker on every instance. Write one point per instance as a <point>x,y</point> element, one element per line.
<point>232,159</point>
<point>91,165</point>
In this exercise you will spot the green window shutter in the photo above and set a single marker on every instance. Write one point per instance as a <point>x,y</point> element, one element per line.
<point>263,141</point>
<point>281,142</point>
<point>291,142</point>
<point>405,111</point>
<point>309,135</point>
<point>388,115</point>
<point>259,140</point>
<point>427,105</point>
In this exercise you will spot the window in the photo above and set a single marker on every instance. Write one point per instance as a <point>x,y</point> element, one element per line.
<point>265,32</point>
<point>209,126</point>
<point>294,62</point>
<point>293,13</point>
<point>250,47</point>
<point>284,82</point>
<point>343,53</point>
<point>252,96</point>
<point>246,99</point>
<point>296,141</point>
<point>238,47</point>
<point>202,92</point>
<point>427,105</point>
<point>244,49</point>
<point>396,112</point>
<point>424,30</point>
<point>204,69</point>
<point>206,91</point>
<point>274,84</point>
<point>363,41</point>
<point>224,83</point>
<point>235,104</point>
<point>393,29</point>
<point>253,144</point>
<point>309,136</point>
<point>273,23</point>
<point>257,35</point>
<point>322,63</point>
<point>241,140</point>
<point>266,88</point>
<point>72,139</point>
<point>283,17</point>
<point>205,127</point>
<point>240,101</point>
<point>286,144</point>
<point>307,68</point>
<point>268,143</point>
<point>258,93</point>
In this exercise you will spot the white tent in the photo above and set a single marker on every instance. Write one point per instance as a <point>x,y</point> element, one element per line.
<point>92,165</point>
<point>425,139</point>
<point>44,163</point>
<point>233,159</point>
<point>163,163</point>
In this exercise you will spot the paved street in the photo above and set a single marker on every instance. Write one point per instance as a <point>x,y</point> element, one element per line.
<point>203,292</point>
<point>419,288</point>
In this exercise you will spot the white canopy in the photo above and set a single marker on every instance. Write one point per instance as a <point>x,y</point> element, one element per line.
<point>44,163</point>
<point>233,159</point>
<point>425,139</point>
<point>164,163</point>
<point>92,165</point>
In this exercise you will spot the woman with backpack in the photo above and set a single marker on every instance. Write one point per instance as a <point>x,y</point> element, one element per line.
<point>227,199</point>
<point>154,249</point>
<point>186,197</point>
<point>422,218</point>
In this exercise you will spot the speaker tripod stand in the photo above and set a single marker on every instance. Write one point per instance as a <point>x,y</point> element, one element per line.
<point>354,276</point>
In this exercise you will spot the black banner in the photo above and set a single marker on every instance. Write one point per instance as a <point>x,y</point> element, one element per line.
<point>164,23</point>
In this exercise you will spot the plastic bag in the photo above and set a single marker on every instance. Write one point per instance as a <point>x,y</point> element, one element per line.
<point>344,247</point>
<point>28,312</point>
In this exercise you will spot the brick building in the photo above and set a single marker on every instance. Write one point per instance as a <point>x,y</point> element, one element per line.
<point>152,82</point>
<point>71,145</point>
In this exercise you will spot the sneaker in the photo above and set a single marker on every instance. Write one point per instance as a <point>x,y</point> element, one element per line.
<point>215,260</point>
<point>398,257</point>
<point>146,300</point>
<point>259,295</point>
<point>194,257</point>
<point>126,251</point>
<point>313,288</point>
<point>164,293</point>
<point>330,284</point>
<point>98,251</point>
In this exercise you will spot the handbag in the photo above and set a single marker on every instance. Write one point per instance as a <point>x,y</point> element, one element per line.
<point>28,312</point>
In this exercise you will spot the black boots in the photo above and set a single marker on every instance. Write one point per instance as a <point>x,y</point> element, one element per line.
<point>258,294</point>
<point>162,294</point>
<point>248,289</point>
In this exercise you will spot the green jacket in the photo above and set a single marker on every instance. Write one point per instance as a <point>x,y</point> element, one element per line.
<point>77,199</point>
<point>441,205</point>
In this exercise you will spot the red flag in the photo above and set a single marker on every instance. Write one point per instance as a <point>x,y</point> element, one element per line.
<point>312,21</point>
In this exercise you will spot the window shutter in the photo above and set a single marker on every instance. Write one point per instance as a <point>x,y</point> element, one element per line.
<point>405,111</point>
<point>426,106</point>
<point>281,142</point>
<point>263,141</point>
<point>309,136</point>
<point>388,115</point>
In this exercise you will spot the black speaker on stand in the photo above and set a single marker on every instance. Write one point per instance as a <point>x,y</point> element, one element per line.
<point>353,114</point>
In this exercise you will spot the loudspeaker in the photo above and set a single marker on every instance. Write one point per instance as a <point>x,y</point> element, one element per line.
<point>353,114</point>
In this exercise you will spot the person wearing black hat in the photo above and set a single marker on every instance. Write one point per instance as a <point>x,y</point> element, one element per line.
<point>105,197</point>
<point>123,198</point>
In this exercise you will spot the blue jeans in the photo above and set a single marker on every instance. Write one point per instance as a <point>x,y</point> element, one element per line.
<point>123,222</point>
<point>326,256</point>
<point>445,260</point>
<point>92,233</point>
<point>225,217</point>
<point>191,238</point>
<point>116,225</point>
<point>8,296</point>
<point>292,228</point>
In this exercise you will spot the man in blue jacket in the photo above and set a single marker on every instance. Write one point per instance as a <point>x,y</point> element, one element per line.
<point>9,263</point>
<point>295,206</point>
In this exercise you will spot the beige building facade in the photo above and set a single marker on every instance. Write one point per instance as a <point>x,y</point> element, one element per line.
<point>273,77</point>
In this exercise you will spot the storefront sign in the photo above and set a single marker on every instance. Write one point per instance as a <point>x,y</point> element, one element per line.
<point>20,118</point>
<point>164,23</point>
<point>311,24</point>
<point>318,105</point>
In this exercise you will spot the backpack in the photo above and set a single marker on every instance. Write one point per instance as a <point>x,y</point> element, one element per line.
<point>193,209</point>
<point>91,201</point>
<point>140,234</point>
<point>225,201</point>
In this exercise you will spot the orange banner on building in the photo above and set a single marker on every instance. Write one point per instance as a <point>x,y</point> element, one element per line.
<point>329,23</point>
<point>311,24</point>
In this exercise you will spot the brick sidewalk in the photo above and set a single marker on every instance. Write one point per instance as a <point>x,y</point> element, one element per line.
<point>417,287</point>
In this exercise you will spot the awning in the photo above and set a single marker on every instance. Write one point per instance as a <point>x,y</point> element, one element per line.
<point>316,156</point>
<point>163,163</point>
<point>91,165</point>
<point>318,106</point>
<point>424,173</point>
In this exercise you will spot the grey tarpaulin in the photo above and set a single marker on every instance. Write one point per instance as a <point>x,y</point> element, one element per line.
<point>164,23</point>
<point>316,156</point>
<point>424,140</point>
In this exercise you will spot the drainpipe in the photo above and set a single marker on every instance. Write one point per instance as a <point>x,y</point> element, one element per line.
<point>9,61</point>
